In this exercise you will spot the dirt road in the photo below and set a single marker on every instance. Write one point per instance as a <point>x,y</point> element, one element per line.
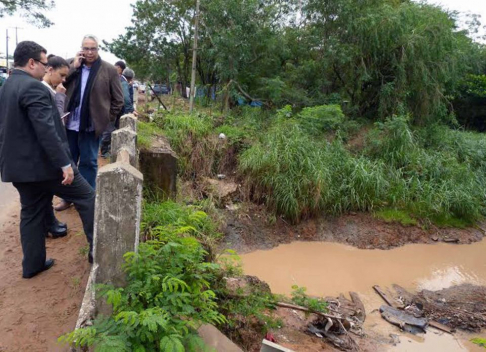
<point>35,312</point>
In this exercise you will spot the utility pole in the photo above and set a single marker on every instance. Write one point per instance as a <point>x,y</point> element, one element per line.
<point>194,57</point>
<point>7,50</point>
<point>16,35</point>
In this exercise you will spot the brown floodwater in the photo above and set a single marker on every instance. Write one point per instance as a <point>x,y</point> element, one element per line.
<point>328,269</point>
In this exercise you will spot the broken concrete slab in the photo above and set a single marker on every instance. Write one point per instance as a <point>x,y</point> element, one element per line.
<point>158,164</point>
<point>268,346</point>
<point>214,338</point>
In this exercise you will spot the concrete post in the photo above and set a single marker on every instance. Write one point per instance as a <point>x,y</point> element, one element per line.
<point>158,164</point>
<point>124,138</point>
<point>117,222</point>
<point>129,120</point>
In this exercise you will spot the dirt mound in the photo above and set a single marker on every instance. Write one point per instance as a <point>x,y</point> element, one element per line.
<point>459,307</point>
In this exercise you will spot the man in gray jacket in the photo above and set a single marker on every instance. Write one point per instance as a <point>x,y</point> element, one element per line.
<point>94,98</point>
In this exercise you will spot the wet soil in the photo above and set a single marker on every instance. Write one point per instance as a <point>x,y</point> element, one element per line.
<point>251,228</point>
<point>35,312</point>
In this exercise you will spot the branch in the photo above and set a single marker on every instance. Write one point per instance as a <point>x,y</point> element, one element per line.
<point>245,94</point>
<point>304,309</point>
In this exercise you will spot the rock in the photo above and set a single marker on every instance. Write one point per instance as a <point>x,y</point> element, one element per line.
<point>221,191</point>
<point>395,339</point>
<point>232,207</point>
<point>435,238</point>
<point>246,285</point>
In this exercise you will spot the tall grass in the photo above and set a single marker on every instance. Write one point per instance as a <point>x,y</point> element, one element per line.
<point>298,163</point>
<point>299,176</point>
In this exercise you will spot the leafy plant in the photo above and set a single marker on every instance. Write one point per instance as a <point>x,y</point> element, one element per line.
<point>300,298</point>
<point>479,341</point>
<point>168,293</point>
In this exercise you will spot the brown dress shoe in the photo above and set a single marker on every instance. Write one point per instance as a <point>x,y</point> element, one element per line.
<point>62,206</point>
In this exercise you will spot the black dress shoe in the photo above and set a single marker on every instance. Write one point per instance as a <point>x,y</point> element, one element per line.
<point>60,224</point>
<point>57,231</point>
<point>49,263</point>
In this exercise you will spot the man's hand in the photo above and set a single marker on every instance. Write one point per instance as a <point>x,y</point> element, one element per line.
<point>61,89</point>
<point>68,175</point>
<point>78,59</point>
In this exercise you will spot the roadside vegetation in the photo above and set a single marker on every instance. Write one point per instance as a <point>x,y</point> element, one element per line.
<point>174,285</point>
<point>314,108</point>
<point>318,161</point>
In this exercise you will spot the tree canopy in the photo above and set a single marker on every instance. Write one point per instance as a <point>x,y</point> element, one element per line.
<point>375,57</point>
<point>30,9</point>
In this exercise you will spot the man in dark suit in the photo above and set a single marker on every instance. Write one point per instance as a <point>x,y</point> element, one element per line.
<point>35,157</point>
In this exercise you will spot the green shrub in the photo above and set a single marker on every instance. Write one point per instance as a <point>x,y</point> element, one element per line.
<point>320,119</point>
<point>166,299</point>
<point>185,220</point>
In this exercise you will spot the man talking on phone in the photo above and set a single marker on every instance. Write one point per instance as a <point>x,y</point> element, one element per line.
<point>94,98</point>
<point>35,157</point>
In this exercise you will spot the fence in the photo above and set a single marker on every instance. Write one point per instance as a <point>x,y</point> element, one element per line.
<point>117,217</point>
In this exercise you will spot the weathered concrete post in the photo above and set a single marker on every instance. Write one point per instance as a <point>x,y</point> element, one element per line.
<point>124,138</point>
<point>118,211</point>
<point>117,219</point>
<point>129,120</point>
<point>158,164</point>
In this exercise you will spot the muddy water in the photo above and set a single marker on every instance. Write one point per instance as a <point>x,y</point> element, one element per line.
<point>328,269</point>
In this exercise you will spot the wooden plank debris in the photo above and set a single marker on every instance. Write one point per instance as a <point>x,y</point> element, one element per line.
<point>440,326</point>
<point>385,297</point>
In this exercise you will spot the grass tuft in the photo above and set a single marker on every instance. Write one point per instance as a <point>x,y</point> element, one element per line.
<point>395,215</point>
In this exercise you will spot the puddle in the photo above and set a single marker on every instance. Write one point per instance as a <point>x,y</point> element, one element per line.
<point>328,269</point>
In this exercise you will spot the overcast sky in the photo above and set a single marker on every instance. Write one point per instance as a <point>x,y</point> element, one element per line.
<point>108,18</point>
<point>72,19</point>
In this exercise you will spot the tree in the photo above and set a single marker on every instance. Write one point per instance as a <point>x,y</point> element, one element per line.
<point>30,9</point>
<point>159,41</point>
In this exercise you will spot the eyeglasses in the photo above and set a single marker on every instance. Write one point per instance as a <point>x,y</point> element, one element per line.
<point>90,49</point>
<point>43,63</point>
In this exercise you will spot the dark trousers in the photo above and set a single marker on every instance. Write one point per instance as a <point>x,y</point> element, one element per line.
<point>84,150</point>
<point>50,219</point>
<point>105,145</point>
<point>35,198</point>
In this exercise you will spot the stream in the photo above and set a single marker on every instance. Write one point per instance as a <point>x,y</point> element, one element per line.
<point>328,269</point>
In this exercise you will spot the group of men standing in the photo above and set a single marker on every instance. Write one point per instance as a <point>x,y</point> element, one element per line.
<point>44,155</point>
